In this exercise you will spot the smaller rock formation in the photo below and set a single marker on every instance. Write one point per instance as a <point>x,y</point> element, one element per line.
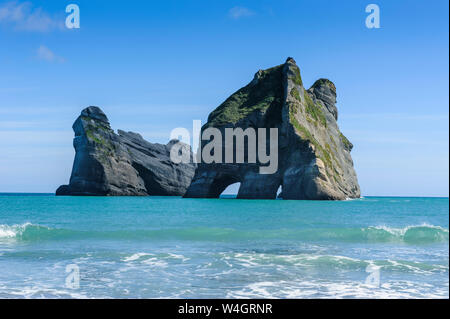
<point>123,164</point>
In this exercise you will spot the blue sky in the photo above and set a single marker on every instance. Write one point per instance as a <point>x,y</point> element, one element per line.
<point>156,65</point>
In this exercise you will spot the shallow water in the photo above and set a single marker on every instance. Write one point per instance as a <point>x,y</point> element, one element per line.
<point>154,247</point>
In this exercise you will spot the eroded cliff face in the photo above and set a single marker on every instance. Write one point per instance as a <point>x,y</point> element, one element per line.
<point>123,164</point>
<point>314,160</point>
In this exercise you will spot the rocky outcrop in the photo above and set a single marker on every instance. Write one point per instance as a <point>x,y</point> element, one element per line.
<point>122,164</point>
<point>314,156</point>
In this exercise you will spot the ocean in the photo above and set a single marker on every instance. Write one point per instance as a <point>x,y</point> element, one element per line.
<point>169,247</point>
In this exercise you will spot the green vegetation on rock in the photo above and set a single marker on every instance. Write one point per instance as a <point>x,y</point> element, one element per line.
<point>314,110</point>
<point>321,153</point>
<point>93,134</point>
<point>348,145</point>
<point>321,82</point>
<point>296,94</point>
<point>95,124</point>
<point>297,79</point>
<point>260,96</point>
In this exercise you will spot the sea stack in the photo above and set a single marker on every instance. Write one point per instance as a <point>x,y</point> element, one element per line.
<point>314,161</point>
<point>122,164</point>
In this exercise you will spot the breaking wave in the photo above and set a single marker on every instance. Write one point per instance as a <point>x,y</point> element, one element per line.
<point>418,234</point>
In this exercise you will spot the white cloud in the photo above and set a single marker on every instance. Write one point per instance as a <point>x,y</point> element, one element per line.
<point>240,12</point>
<point>22,16</point>
<point>45,54</point>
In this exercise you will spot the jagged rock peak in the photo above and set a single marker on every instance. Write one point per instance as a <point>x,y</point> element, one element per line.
<point>324,82</point>
<point>95,113</point>
<point>291,60</point>
<point>325,91</point>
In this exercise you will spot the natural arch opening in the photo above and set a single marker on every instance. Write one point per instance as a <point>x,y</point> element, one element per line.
<point>220,183</point>
<point>279,192</point>
<point>231,191</point>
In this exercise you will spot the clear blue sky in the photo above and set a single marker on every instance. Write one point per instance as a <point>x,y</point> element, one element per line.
<point>156,65</point>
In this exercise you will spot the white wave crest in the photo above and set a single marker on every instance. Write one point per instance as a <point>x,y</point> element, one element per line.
<point>136,257</point>
<point>402,231</point>
<point>12,231</point>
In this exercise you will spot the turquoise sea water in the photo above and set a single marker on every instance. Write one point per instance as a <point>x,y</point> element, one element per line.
<point>153,247</point>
